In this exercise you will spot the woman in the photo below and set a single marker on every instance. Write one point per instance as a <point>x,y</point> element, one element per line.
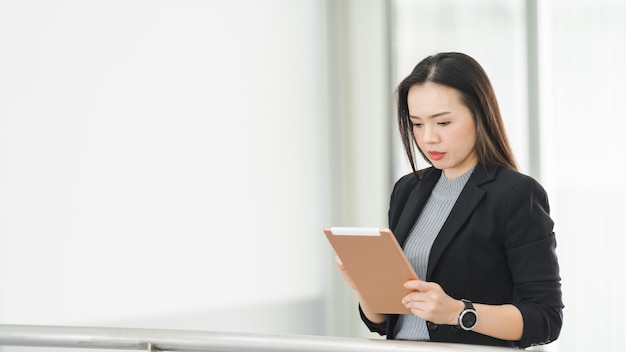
<point>477,232</point>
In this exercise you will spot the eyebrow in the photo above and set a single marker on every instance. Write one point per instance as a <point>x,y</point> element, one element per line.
<point>439,114</point>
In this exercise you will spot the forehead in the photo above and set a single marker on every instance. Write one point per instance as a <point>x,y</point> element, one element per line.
<point>432,98</point>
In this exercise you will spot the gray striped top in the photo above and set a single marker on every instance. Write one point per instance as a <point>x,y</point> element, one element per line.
<point>418,244</point>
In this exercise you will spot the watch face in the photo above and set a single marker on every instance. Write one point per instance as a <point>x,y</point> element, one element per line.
<point>468,319</point>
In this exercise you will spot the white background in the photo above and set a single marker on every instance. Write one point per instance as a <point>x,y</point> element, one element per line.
<point>160,158</point>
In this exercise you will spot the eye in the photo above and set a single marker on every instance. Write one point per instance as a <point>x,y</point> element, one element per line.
<point>443,123</point>
<point>416,124</point>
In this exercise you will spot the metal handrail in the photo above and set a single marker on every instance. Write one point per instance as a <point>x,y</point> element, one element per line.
<point>187,340</point>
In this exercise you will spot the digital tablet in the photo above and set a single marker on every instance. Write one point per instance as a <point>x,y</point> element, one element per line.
<point>375,261</point>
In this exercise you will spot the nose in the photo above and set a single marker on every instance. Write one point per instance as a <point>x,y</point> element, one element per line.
<point>429,134</point>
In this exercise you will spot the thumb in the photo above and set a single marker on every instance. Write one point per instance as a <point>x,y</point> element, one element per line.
<point>419,285</point>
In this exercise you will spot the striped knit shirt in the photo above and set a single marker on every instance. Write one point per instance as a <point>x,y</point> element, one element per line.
<point>419,243</point>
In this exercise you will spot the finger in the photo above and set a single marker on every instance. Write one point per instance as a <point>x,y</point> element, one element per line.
<point>406,299</point>
<point>416,308</point>
<point>413,285</point>
<point>413,297</point>
<point>421,286</point>
<point>339,262</point>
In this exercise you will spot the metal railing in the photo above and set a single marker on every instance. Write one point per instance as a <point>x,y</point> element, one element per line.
<point>185,340</point>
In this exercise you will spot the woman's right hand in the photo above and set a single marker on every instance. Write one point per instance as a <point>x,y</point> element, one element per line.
<point>344,273</point>
<point>376,318</point>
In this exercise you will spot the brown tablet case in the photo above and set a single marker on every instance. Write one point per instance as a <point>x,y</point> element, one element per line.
<point>375,261</point>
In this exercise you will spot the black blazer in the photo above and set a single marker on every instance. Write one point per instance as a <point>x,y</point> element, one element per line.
<point>496,247</point>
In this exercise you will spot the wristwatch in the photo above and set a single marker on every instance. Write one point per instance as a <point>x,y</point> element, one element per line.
<point>468,317</point>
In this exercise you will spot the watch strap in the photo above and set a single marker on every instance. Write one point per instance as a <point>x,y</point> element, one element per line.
<point>468,317</point>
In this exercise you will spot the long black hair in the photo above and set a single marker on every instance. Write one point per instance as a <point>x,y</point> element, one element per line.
<point>463,73</point>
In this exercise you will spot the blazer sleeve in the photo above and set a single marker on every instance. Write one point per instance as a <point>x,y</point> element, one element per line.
<point>530,247</point>
<point>380,328</point>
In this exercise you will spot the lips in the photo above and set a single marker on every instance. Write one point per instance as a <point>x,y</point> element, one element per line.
<point>436,155</point>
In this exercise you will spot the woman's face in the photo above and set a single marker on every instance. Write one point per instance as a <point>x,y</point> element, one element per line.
<point>443,128</point>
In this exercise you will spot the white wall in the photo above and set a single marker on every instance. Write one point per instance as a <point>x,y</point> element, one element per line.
<point>584,147</point>
<point>161,160</point>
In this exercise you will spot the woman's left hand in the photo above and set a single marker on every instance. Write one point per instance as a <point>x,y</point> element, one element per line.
<point>431,303</point>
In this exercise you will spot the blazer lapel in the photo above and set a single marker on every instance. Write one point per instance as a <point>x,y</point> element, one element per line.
<point>462,210</point>
<point>416,201</point>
